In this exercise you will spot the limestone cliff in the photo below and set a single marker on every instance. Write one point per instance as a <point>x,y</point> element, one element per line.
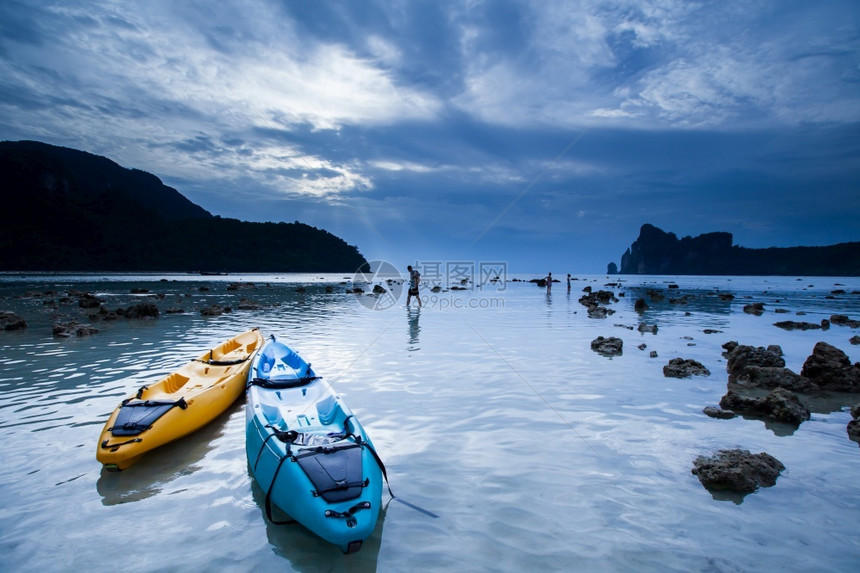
<point>657,252</point>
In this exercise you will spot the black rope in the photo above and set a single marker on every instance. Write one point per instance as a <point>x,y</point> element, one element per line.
<point>280,435</point>
<point>385,475</point>
<point>381,467</point>
<point>269,493</point>
<point>347,432</point>
<point>262,447</point>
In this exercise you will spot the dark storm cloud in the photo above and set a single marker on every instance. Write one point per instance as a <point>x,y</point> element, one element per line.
<point>529,132</point>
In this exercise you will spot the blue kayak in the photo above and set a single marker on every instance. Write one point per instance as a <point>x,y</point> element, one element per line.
<point>308,451</point>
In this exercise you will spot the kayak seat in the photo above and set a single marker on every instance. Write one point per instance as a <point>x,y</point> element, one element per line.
<point>279,362</point>
<point>266,362</point>
<point>329,410</point>
<point>136,416</point>
<point>272,415</point>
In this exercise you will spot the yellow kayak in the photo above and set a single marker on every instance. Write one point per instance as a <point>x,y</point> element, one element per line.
<point>179,404</point>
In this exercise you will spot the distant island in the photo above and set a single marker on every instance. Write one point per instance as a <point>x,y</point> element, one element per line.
<point>657,252</point>
<point>69,210</point>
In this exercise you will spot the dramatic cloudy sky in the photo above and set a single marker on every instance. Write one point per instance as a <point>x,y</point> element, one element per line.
<point>543,134</point>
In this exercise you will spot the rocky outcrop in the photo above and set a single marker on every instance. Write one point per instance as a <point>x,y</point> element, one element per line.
<point>656,252</point>
<point>659,252</point>
<point>599,312</point>
<point>754,308</point>
<point>729,346</point>
<point>854,425</point>
<point>643,327</point>
<point>776,377</point>
<point>795,325</point>
<point>742,357</point>
<point>594,302</point>
<point>214,310</point>
<point>684,368</point>
<point>843,320</point>
<point>11,321</point>
<point>248,304</point>
<point>780,405</point>
<point>611,346</point>
<point>88,300</point>
<point>719,413</point>
<point>830,369</point>
<point>827,368</point>
<point>142,310</point>
<point>737,470</point>
<point>72,328</point>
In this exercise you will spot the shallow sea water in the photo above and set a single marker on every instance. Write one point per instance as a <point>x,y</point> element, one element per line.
<point>488,407</point>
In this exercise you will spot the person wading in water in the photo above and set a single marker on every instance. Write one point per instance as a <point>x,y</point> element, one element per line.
<point>414,279</point>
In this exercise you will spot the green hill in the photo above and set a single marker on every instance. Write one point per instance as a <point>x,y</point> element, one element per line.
<point>68,210</point>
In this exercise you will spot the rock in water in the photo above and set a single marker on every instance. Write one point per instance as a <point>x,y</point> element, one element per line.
<point>742,357</point>
<point>843,320</point>
<point>684,368</point>
<point>652,328</point>
<point>737,470</point>
<point>854,425</point>
<point>780,405</point>
<point>213,310</point>
<point>755,308</point>
<point>831,369</point>
<point>729,346</point>
<point>142,310</point>
<point>784,406</point>
<point>718,413</point>
<point>69,329</point>
<point>776,377</point>
<point>611,346</point>
<point>794,325</point>
<point>11,321</point>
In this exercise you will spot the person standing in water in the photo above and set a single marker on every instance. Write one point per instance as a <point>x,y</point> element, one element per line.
<point>568,282</point>
<point>414,279</point>
<point>548,282</point>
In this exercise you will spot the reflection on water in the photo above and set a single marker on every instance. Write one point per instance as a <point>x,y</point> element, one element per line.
<point>156,469</point>
<point>735,497</point>
<point>537,453</point>
<point>305,551</point>
<point>412,316</point>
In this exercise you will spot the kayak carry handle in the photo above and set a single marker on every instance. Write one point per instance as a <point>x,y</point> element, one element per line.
<point>107,447</point>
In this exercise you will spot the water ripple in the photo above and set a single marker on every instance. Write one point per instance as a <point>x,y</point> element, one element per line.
<point>536,452</point>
